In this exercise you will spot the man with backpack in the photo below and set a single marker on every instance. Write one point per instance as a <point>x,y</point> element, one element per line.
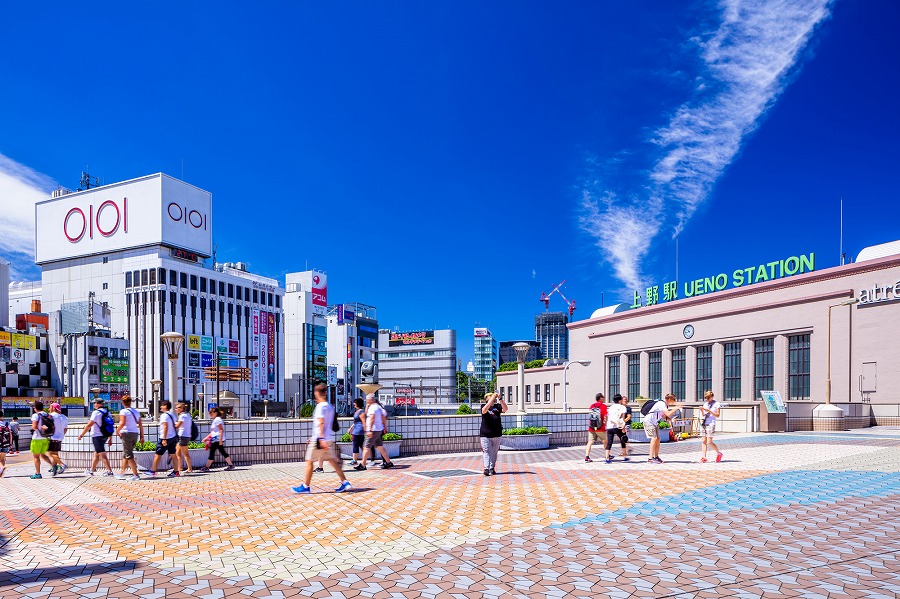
<point>102,427</point>
<point>596,425</point>
<point>168,441</point>
<point>655,411</point>
<point>42,428</point>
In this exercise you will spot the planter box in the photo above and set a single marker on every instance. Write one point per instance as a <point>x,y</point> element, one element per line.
<point>637,435</point>
<point>144,459</point>
<point>392,448</point>
<point>525,442</point>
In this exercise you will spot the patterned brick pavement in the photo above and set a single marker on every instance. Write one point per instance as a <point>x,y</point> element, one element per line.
<point>813,515</point>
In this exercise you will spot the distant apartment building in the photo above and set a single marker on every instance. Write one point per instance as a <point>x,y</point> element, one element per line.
<point>551,332</point>
<point>485,354</point>
<point>417,367</point>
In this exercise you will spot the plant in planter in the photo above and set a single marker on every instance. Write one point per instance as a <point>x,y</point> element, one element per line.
<point>523,438</point>
<point>143,455</point>
<point>464,408</point>
<point>391,444</point>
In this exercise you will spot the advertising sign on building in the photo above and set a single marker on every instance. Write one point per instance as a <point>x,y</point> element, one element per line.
<point>482,332</point>
<point>345,315</point>
<point>206,343</point>
<point>254,349</point>
<point>270,363</point>
<point>319,293</point>
<point>194,359</point>
<point>17,355</point>
<point>193,342</point>
<point>263,353</point>
<point>152,210</point>
<point>206,360</point>
<point>332,375</point>
<point>5,338</point>
<point>411,338</point>
<point>113,370</point>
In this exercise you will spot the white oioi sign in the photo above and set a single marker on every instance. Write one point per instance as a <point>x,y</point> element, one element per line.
<point>148,211</point>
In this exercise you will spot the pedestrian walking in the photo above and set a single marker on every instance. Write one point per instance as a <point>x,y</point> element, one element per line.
<point>596,425</point>
<point>216,440</point>
<point>60,426</point>
<point>376,428</point>
<point>321,444</point>
<point>41,431</point>
<point>615,427</point>
<point>357,429</point>
<point>14,429</point>
<point>710,413</point>
<point>184,424</point>
<point>5,442</point>
<point>102,428</point>
<point>623,399</point>
<point>168,440</point>
<point>131,429</point>
<point>654,412</point>
<point>491,432</point>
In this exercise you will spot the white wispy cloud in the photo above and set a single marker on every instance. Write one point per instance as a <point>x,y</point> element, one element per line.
<point>20,188</point>
<point>747,63</point>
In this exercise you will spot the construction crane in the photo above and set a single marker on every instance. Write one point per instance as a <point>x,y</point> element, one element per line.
<point>545,297</point>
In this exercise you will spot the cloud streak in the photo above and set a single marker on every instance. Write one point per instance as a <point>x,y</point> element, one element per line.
<point>747,63</point>
<point>20,188</point>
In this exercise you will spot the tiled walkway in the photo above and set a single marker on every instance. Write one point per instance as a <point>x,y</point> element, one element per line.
<point>784,515</point>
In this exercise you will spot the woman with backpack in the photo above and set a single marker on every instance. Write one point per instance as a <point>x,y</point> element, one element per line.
<point>102,427</point>
<point>185,424</point>
<point>216,440</point>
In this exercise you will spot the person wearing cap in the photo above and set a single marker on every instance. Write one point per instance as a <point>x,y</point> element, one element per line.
<point>60,425</point>
<point>376,427</point>
<point>100,441</point>
<point>130,429</point>
<point>709,412</point>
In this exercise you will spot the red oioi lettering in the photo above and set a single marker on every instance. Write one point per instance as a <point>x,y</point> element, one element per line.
<point>190,217</point>
<point>76,223</point>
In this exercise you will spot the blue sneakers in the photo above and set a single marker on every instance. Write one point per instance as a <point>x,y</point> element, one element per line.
<point>300,489</point>
<point>345,486</point>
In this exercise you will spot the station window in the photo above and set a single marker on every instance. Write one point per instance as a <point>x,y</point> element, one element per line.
<point>733,371</point>
<point>527,393</point>
<point>763,366</point>
<point>537,394</point>
<point>655,375</point>
<point>613,363</point>
<point>798,371</point>
<point>634,375</point>
<point>704,370</point>
<point>679,380</point>
<point>547,393</point>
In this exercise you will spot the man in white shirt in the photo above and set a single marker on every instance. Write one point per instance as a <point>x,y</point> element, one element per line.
<point>60,425</point>
<point>100,441</point>
<point>321,444</point>
<point>709,412</point>
<point>615,427</point>
<point>168,440</point>
<point>376,427</point>
<point>661,410</point>
<point>130,429</point>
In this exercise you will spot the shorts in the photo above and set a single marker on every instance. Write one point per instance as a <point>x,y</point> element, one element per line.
<point>707,430</point>
<point>374,440</point>
<point>128,441</point>
<point>183,441</point>
<point>39,446</point>
<point>4,449</point>
<point>596,436</point>
<point>314,454</point>
<point>358,441</point>
<point>651,430</point>
<point>55,446</point>
<point>168,448</point>
<point>100,444</point>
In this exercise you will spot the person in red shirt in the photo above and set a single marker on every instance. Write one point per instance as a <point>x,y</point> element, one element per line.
<point>596,425</point>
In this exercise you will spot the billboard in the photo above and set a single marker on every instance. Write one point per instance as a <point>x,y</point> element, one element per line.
<point>148,211</point>
<point>345,315</point>
<point>270,362</point>
<point>113,370</point>
<point>411,338</point>
<point>254,350</point>
<point>482,332</point>
<point>319,293</point>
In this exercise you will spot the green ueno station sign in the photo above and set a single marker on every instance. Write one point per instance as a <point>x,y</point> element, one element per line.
<point>795,265</point>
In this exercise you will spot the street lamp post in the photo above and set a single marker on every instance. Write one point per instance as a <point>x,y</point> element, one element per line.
<point>566,384</point>
<point>172,341</point>
<point>156,385</point>
<point>521,348</point>
<point>828,416</point>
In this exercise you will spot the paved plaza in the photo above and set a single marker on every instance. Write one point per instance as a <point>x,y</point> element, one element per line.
<point>811,515</point>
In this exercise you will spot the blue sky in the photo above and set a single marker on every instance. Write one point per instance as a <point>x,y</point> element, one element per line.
<point>447,162</point>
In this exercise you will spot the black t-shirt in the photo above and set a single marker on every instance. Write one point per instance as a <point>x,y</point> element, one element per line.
<point>491,426</point>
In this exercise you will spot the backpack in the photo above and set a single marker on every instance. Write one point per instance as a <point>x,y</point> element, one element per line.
<point>648,405</point>
<point>195,430</point>
<point>108,425</point>
<point>335,425</point>
<point>45,420</point>
<point>5,435</point>
<point>595,419</point>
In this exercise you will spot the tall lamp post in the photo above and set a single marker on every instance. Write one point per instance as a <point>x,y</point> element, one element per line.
<point>521,348</point>
<point>172,341</point>
<point>566,384</point>
<point>156,385</point>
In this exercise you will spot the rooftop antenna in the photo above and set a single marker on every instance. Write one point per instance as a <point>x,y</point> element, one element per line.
<point>87,181</point>
<point>841,242</point>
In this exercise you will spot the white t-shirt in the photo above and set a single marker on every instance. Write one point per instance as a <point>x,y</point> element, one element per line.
<point>131,420</point>
<point>170,424</point>
<point>184,425</point>
<point>323,413</point>
<point>709,418</point>
<point>35,434</point>
<point>378,412</point>
<point>97,421</point>
<point>217,430</point>
<point>60,422</point>
<point>615,416</point>
<point>655,414</point>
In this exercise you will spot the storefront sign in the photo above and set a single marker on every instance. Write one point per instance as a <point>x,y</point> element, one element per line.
<point>769,271</point>
<point>411,338</point>
<point>878,294</point>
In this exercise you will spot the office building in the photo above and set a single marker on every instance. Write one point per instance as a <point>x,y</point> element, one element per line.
<point>551,332</point>
<point>485,354</point>
<point>417,367</point>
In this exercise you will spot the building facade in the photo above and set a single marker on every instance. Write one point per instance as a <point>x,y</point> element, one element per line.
<point>136,250</point>
<point>551,332</point>
<point>417,367</point>
<point>485,354</point>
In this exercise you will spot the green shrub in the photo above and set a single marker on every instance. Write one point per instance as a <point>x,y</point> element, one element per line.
<point>528,430</point>
<point>464,408</point>
<point>392,437</point>
<point>345,438</point>
<point>637,426</point>
<point>306,411</point>
<point>145,446</point>
<point>196,445</point>
<point>664,424</point>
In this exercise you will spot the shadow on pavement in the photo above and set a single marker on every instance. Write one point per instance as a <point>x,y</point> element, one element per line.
<point>17,577</point>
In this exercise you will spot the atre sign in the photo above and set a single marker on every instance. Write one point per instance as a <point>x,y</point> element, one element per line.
<point>153,210</point>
